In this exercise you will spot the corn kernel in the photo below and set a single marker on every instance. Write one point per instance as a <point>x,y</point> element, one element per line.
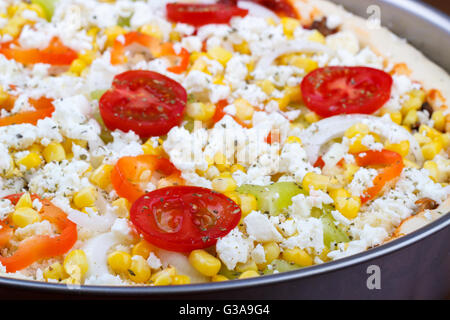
<point>119,261</point>
<point>200,65</point>
<point>204,262</point>
<point>249,265</point>
<point>54,152</point>
<point>122,207</point>
<point>164,277</point>
<point>294,139</point>
<point>237,167</point>
<point>220,54</point>
<point>233,195</point>
<point>142,248</point>
<point>316,181</point>
<point>431,149</point>
<point>75,263</point>
<point>297,256</point>
<point>201,111</point>
<point>316,36</point>
<point>349,171</point>
<point>221,162</point>
<point>175,36</point>
<point>289,26</point>
<point>244,110</point>
<point>77,66</point>
<point>401,148</point>
<point>223,184</point>
<point>89,210</point>
<point>410,164</point>
<point>24,201</point>
<point>271,251</point>
<point>152,31</point>
<point>139,270</point>
<point>421,139</point>
<point>433,169</point>
<point>85,198</point>
<point>415,101</point>
<point>306,64</point>
<point>396,117</point>
<point>248,203</point>
<point>101,176</point>
<point>24,216</point>
<point>181,279</point>
<point>249,274</point>
<point>312,117</point>
<point>357,129</point>
<point>55,271</point>
<point>439,120</point>
<point>219,278</point>
<point>346,204</point>
<point>242,48</point>
<point>266,86</point>
<point>429,132</point>
<point>112,33</point>
<point>31,161</point>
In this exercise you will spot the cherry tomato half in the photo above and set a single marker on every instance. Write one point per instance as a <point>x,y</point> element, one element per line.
<point>131,175</point>
<point>202,14</point>
<point>283,8</point>
<point>184,218</point>
<point>331,91</point>
<point>146,102</point>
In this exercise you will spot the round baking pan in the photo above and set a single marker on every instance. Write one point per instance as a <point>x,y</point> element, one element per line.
<point>415,266</point>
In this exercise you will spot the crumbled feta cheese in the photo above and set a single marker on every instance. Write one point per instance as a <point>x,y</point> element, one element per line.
<point>260,228</point>
<point>234,248</point>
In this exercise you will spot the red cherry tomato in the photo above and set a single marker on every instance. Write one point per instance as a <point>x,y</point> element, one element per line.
<point>146,102</point>
<point>283,8</point>
<point>331,91</point>
<point>184,218</point>
<point>202,14</point>
<point>131,175</point>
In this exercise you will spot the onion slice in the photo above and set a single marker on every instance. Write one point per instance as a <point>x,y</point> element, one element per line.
<point>291,47</point>
<point>319,133</point>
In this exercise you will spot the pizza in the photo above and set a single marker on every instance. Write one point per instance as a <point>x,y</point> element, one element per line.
<point>148,143</point>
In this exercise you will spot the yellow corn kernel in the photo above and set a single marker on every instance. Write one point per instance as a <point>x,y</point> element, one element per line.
<point>431,149</point>
<point>271,251</point>
<point>200,65</point>
<point>163,277</point>
<point>31,161</point>
<point>233,195</point>
<point>119,261</point>
<point>306,64</point>
<point>312,117</point>
<point>421,139</point>
<point>244,110</point>
<point>297,256</point>
<point>174,36</point>
<point>89,210</point>
<point>54,152</point>
<point>24,216</point>
<point>219,278</point>
<point>345,203</point>
<point>401,148</point>
<point>204,262</point>
<point>410,164</point>
<point>248,203</point>
<point>220,54</point>
<point>249,265</point>
<point>101,176</point>
<point>411,118</point>
<point>25,201</point>
<point>92,32</point>
<point>55,271</point>
<point>293,139</point>
<point>357,129</point>
<point>3,95</point>
<point>316,36</point>
<point>289,26</point>
<point>316,181</point>
<point>221,162</point>
<point>266,86</point>
<point>223,184</point>
<point>433,169</point>
<point>181,279</point>
<point>122,207</point>
<point>415,101</point>
<point>112,33</point>
<point>429,132</point>
<point>445,137</point>
<point>396,117</point>
<point>86,197</point>
<point>349,171</point>
<point>201,111</point>
<point>139,270</point>
<point>149,148</point>
<point>283,102</point>
<point>152,30</point>
<point>76,263</point>
<point>439,120</point>
<point>242,48</point>
<point>237,167</point>
<point>143,249</point>
<point>249,274</point>
<point>77,66</point>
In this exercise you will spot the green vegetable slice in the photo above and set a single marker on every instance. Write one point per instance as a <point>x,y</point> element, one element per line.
<point>48,6</point>
<point>273,198</point>
<point>281,266</point>
<point>331,232</point>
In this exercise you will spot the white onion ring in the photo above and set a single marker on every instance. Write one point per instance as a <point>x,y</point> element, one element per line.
<point>319,133</point>
<point>96,252</point>
<point>291,47</point>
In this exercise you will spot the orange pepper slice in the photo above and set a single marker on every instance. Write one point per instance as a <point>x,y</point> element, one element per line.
<point>44,108</point>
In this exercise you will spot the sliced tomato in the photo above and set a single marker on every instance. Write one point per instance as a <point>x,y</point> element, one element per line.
<point>44,108</point>
<point>393,163</point>
<point>146,102</point>
<point>131,175</point>
<point>184,218</point>
<point>38,247</point>
<point>56,54</point>
<point>202,14</point>
<point>283,8</point>
<point>331,91</point>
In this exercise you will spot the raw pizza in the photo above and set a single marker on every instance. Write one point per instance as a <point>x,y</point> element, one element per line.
<point>167,143</point>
